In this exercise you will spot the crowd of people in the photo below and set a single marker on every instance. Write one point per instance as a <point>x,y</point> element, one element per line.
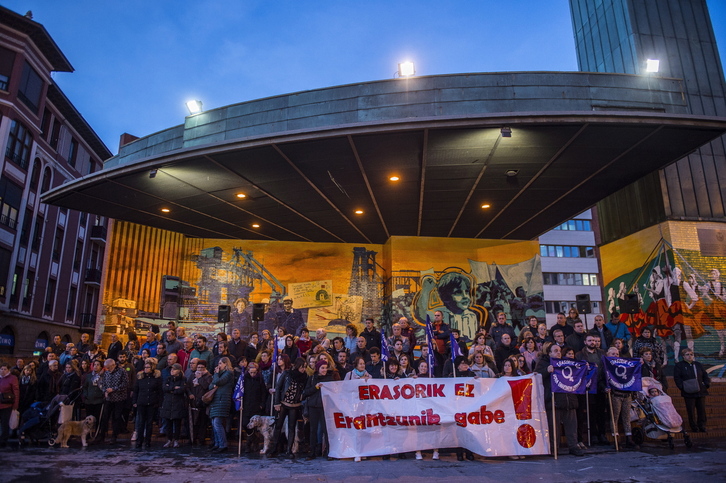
<point>185,385</point>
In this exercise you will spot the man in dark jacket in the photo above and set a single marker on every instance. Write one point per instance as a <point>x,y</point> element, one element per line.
<point>371,335</point>
<point>501,327</point>
<point>115,347</point>
<point>565,404</point>
<point>693,381</point>
<point>236,346</point>
<point>598,402</point>
<point>49,383</point>
<point>602,333</point>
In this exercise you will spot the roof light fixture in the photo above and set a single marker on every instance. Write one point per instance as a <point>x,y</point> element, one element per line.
<point>194,106</point>
<point>652,65</point>
<point>406,69</point>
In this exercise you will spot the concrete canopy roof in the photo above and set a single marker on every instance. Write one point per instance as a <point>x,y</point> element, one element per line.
<point>307,161</point>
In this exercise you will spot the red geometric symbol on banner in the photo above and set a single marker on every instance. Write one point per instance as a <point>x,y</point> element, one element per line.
<point>522,399</point>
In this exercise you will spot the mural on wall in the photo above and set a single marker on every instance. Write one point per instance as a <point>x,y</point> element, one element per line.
<point>270,284</point>
<point>470,300</point>
<point>681,296</point>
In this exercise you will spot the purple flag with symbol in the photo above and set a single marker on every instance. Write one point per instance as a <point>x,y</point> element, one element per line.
<point>623,374</point>
<point>569,376</point>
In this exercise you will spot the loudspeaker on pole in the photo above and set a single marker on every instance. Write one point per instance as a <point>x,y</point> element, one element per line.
<point>223,314</point>
<point>582,302</point>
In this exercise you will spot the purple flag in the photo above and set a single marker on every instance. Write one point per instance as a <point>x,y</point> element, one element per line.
<point>591,379</point>
<point>430,343</point>
<point>384,347</point>
<point>455,348</point>
<point>274,352</point>
<point>569,376</point>
<point>239,390</point>
<point>623,374</point>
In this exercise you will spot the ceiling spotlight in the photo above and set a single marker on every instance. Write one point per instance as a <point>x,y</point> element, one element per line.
<point>195,107</point>
<point>511,173</point>
<point>394,178</point>
<point>152,173</point>
<point>241,195</point>
<point>406,69</point>
<point>358,212</point>
<point>165,210</point>
<point>255,225</point>
<point>506,132</point>
<point>652,65</point>
<point>486,205</point>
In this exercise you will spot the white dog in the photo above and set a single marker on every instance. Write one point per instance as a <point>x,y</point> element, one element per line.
<point>265,425</point>
<point>76,428</point>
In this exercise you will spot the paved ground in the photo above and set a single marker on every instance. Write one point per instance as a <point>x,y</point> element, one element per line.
<point>654,462</point>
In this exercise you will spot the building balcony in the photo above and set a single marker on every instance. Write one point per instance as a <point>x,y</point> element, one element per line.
<point>87,321</point>
<point>98,234</point>
<point>93,277</point>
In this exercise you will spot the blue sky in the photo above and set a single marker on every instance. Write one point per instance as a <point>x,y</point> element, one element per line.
<point>137,62</point>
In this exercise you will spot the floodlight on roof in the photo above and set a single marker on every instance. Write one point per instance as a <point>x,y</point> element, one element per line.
<point>652,65</point>
<point>194,106</point>
<point>406,69</point>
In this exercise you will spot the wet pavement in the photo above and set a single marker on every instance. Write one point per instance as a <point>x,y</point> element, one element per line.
<point>654,462</point>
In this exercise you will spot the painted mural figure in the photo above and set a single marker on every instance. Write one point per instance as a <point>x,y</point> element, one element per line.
<point>289,318</point>
<point>453,292</point>
<point>717,292</point>
<point>240,317</point>
<point>694,311</point>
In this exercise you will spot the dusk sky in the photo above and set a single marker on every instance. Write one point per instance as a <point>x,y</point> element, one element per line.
<point>137,62</point>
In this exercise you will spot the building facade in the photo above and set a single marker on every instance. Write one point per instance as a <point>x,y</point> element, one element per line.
<point>50,258</point>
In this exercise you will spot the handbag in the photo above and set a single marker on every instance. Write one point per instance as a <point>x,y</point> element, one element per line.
<point>691,386</point>
<point>209,395</point>
<point>14,419</point>
<point>7,397</point>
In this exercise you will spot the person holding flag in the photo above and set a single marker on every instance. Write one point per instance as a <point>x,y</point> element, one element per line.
<point>619,378</point>
<point>455,351</point>
<point>237,397</point>
<point>560,396</point>
<point>430,358</point>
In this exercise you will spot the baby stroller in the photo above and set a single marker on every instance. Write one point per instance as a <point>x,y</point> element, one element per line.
<point>40,421</point>
<point>654,415</point>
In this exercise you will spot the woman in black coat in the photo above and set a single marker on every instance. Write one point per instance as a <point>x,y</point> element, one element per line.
<point>28,388</point>
<point>70,381</point>
<point>254,401</point>
<point>147,396</point>
<point>174,407</point>
<point>288,401</point>
<point>291,350</point>
<point>314,403</point>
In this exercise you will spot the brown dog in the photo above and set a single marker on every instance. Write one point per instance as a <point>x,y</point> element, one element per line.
<point>76,428</point>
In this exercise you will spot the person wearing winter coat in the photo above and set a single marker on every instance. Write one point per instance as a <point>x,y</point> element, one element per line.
<point>223,380</point>
<point>197,384</point>
<point>565,404</point>
<point>693,381</point>
<point>147,396</point>
<point>314,402</point>
<point>505,349</point>
<point>91,392</point>
<point>288,401</point>
<point>254,401</point>
<point>174,406</point>
<point>28,388</point>
<point>70,381</point>
<point>10,400</point>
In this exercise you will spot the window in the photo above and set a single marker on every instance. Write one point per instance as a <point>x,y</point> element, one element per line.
<point>37,234</point>
<point>77,256</point>
<point>57,244</point>
<point>569,278</point>
<point>15,287</point>
<point>71,303</point>
<point>28,286</point>
<point>4,269</point>
<point>73,153</point>
<point>50,296</point>
<point>55,134</point>
<point>36,174</point>
<point>19,142</point>
<point>560,251</point>
<point>83,219</point>
<point>565,306</point>
<point>47,175</point>
<point>575,225</point>
<point>10,198</point>
<point>31,87</point>
<point>45,123</point>
<point>25,232</point>
<point>7,59</point>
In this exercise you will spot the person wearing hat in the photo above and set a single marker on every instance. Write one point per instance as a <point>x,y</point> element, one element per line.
<point>314,402</point>
<point>174,407</point>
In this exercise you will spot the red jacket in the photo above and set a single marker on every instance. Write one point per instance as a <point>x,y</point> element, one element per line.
<point>9,384</point>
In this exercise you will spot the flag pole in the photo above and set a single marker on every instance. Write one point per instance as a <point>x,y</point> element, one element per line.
<point>612,421</point>
<point>587,407</point>
<point>239,445</point>
<point>554,427</point>
<point>274,384</point>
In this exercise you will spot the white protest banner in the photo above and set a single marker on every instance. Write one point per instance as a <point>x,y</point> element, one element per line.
<point>490,417</point>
